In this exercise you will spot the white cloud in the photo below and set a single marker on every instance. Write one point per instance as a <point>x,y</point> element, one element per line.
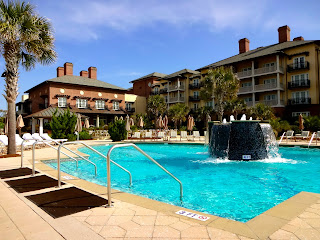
<point>89,19</point>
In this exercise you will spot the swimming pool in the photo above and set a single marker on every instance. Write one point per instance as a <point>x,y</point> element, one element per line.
<point>230,189</point>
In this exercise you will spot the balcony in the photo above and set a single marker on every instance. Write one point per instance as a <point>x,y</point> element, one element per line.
<point>259,72</point>
<point>267,87</point>
<point>154,93</point>
<point>299,84</point>
<point>175,99</point>
<point>298,66</point>
<point>163,90</point>
<point>247,89</point>
<point>249,103</point>
<point>299,101</point>
<point>176,88</point>
<point>131,110</point>
<point>195,85</point>
<point>194,98</point>
<point>271,103</point>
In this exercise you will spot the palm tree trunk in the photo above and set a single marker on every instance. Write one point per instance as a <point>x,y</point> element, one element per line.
<point>12,65</point>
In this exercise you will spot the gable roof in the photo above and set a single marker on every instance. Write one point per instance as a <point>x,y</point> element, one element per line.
<point>84,81</point>
<point>259,52</point>
<point>179,73</point>
<point>154,74</point>
<point>48,113</point>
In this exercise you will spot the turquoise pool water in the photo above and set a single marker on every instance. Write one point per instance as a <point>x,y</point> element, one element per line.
<point>234,190</point>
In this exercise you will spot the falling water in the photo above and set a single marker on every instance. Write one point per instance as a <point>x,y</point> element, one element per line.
<point>270,140</point>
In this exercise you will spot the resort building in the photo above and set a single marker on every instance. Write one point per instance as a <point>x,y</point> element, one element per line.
<point>85,94</point>
<point>284,76</point>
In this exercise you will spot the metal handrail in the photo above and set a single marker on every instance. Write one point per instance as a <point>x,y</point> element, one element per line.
<point>146,155</point>
<point>313,134</point>
<point>283,134</point>
<point>92,149</point>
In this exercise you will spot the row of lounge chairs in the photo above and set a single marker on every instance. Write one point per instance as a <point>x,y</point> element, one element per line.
<point>305,135</point>
<point>168,135</point>
<point>29,140</point>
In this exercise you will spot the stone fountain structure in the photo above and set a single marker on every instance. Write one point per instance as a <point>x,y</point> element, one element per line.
<point>242,140</point>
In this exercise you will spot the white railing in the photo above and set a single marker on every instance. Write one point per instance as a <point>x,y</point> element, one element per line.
<point>176,99</point>
<point>176,87</point>
<point>244,74</point>
<point>245,89</point>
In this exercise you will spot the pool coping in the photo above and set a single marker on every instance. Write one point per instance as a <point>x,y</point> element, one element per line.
<point>260,227</point>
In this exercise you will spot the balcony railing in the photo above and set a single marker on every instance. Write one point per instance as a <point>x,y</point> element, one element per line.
<point>245,89</point>
<point>176,99</point>
<point>130,109</point>
<point>273,102</point>
<point>269,86</point>
<point>176,88</point>
<point>299,84</point>
<point>249,103</point>
<point>298,66</point>
<point>195,85</point>
<point>194,98</point>
<point>154,93</point>
<point>298,101</point>
<point>163,90</point>
<point>259,71</point>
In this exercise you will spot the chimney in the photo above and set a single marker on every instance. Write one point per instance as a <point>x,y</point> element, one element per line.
<point>92,72</point>
<point>68,69</point>
<point>298,39</point>
<point>84,73</point>
<point>244,45</point>
<point>60,71</point>
<point>284,34</point>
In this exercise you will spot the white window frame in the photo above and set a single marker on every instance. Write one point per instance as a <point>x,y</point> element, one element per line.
<point>128,106</point>
<point>196,82</point>
<point>100,104</point>
<point>247,69</point>
<point>196,94</point>
<point>298,62</point>
<point>248,99</point>
<point>62,102</point>
<point>270,81</point>
<point>195,106</point>
<point>298,78</point>
<point>296,114</point>
<point>300,94</point>
<point>115,105</point>
<point>246,84</point>
<point>271,64</point>
<point>209,104</point>
<point>156,90</point>
<point>82,103</point>
<point>270,97</point>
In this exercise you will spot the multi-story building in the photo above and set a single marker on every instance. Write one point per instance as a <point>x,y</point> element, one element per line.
<point>82,94</point>
<point>284,76</point>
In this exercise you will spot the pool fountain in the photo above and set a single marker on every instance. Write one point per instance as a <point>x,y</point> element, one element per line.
<point>242,140</point>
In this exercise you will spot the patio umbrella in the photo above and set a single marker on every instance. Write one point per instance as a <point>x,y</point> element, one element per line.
<point>208,119</point>
<point>165,122</point>
<point>20,123</point>
<point>159,122</point>
<point>301,121</point>
<point>189,124</point>
<point>141,123</point>
<point>127,123</point>
<point>78,127</point>
<point>131,122</point>
<point>86,123</point>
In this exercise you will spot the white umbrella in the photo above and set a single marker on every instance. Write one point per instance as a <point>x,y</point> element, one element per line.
<point>127,123</point>
<point>20,123</point>
<point>189,124</point>
<point>131,122</point>
<point>141,123</point>
<point>121,118</point>
<point>116,118</point>
<point>86,123</point>
<point>165,122</point>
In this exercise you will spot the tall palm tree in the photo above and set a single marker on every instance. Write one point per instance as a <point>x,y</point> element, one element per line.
<point>156,105</point>
<point>178,113</point>
<point>25,39</point>
<point>222,84</point>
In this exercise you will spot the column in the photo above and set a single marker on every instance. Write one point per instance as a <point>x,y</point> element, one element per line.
<point>41,126</point>
<point>97,122</point>
<point>278,63</point>
<point>278,93</point>
<point>178,90</point>
<point>34,125</point>
<point>253,89</point>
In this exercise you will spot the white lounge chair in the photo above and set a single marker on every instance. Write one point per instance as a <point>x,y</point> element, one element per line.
<point>19,141</point>
<point>147,135</point>
<point>317,136</point>
<point>173,134</point>
<point>195,134</point>
<point>136,135</point>
<point>304,135</point>
<point>289,134</point>
<point>161,135</point>
<point>183,134</point>
<point>3,143</point>
<point>28,137</point>
<point>46,137</point>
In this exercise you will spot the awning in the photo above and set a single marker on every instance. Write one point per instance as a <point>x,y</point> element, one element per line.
<point>48,113</point>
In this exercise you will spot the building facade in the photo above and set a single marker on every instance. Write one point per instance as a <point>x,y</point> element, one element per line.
<point>284,76</point>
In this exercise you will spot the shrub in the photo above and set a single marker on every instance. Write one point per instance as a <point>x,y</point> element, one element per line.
<point>84,135</point>
<point>312,123</point>
<point>63,125</point>
<point>279,126</point>
<point>117,130</point>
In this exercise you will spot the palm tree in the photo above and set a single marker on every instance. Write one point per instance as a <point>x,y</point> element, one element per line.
<point>156,105</point>
<point>178,113</point>
<point>26,39</point>
<point>262,111</point>
<point>236,106</point>
<point>223,85</point>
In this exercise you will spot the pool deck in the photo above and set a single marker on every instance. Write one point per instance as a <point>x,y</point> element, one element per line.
<point>134,217</point>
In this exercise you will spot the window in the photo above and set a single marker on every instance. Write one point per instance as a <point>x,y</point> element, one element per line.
<point>246,84</point>
<point>166,98</point>
<point>196,82</point>
<point>299,62</point>
<point>62,101</point>
<point>195,106</point>
<point>46,102</point>
<point>116,105</point>
<point>128,106</point>
<point>270,81</point>
<point>296,114</point>
<point>100,104</point>
<point>300,79</point>
<point>300,95</point>
<point>82,103</point>
<point>196,95</point>
<point>248,99</point>
<point>156,90</point>
<point>246,69</point>
<point>269,97</point>
<point>209,104</point>
<point>268,65</point>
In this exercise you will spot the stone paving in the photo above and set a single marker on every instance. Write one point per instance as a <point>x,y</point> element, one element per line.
<point>21,219</point>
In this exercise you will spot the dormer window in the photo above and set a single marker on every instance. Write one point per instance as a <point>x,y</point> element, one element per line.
<point>100,104</point>
<point>62,102</point>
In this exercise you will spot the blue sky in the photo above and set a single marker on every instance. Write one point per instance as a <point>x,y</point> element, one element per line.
<point>128,39</point>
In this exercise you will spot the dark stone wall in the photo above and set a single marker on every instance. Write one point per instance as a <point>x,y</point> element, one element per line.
<point>219,140</point>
